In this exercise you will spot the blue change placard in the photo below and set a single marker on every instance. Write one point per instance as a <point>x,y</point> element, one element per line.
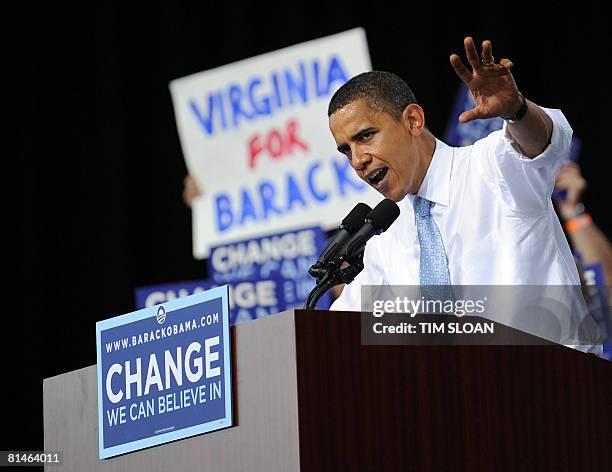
<point>151,295</point>
<point>268,274</point>
<point>164,372</point>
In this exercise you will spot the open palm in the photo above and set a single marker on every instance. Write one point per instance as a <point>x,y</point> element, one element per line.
<point>492,85</point>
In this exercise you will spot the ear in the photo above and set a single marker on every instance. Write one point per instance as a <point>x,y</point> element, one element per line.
<point>413,119</point>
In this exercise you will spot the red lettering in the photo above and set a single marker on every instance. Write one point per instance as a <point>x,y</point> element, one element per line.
<point>277,143</point>
<point>254,149</point>
<point>293,137</point>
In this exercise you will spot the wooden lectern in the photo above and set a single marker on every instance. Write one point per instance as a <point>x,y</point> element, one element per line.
<point>308,396</point>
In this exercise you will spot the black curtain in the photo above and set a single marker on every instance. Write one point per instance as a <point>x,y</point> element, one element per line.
<point>95,169</point>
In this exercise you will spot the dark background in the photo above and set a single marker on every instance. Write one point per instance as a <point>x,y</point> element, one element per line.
<point>94,177</point>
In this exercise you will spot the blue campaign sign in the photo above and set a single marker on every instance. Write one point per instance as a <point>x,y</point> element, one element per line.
<point>154,294</point>
<point>164,373</point>
<point>594,275</point>
<point>249,299</point>
<point>458,134</point>
<point>275,265</point>
<point>599,307</point>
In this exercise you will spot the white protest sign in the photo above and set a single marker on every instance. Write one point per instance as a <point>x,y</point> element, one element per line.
<point>255,137</point>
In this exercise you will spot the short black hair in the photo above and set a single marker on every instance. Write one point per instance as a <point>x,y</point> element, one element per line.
<point>383,91</point>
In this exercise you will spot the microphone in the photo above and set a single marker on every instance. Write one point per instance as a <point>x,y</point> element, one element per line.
<point>349,226</point>
<point>377,221</point>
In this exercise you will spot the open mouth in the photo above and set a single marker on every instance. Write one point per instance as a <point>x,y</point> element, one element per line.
<point>377,176</point>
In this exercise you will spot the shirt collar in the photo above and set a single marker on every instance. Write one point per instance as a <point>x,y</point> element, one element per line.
<point>436,184</point>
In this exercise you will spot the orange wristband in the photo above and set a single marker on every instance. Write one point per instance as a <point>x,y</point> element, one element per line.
<point>579,222</point>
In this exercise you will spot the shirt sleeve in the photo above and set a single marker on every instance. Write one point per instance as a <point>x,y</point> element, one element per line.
<point>525,185</point>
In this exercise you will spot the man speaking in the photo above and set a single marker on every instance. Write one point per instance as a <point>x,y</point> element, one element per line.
<point>473,215</point>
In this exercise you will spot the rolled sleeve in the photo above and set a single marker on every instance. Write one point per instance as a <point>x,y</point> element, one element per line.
<point>526,184</point>
<point>554,154</point>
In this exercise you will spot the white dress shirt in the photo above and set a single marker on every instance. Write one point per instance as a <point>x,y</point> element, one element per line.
<point>496,218</point>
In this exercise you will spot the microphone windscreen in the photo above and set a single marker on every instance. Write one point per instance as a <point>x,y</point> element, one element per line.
<point>384,214</point>
<point>356,218</point>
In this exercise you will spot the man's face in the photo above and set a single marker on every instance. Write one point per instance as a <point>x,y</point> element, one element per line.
<point>380,149</point>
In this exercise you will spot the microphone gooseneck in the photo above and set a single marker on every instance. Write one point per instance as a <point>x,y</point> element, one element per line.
<point>345,262</point>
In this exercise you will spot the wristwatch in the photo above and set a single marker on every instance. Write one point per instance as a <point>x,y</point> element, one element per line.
<point>518,116</point>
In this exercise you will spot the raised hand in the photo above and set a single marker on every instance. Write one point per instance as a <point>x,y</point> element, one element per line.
<point>492,84</point>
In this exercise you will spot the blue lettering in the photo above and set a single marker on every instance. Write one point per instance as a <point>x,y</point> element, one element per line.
<point>267,193</point>
<point>235,96</point>
<point>299,87</point>
<point>294,195</point>
<point>320,91</point>
<point>335,73</point>
<point>263,96</point>
<point>277,91</point>
<point>260,206</point>
<point>204,120</point>
<point>248,209</point>
<point>319,196</point>
<point>341,166</point>
<point>219,98</point>
<point>225,217</point>
<point>262,106</point>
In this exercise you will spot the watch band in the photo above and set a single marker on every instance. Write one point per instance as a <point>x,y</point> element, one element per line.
<point>518,116</point>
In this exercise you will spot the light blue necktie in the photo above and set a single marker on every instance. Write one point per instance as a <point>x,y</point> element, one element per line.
<point>433,262</point>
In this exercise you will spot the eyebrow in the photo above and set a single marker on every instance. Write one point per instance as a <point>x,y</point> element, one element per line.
<point>344,147</point>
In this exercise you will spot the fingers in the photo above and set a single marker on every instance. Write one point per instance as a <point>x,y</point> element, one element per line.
<point>561,183</point>
<point>573,195</point>
<point>190,190</point>
<point>570,166</point>
<point>565,175</point>
<point>570,181</point>
<point>467,116</point>
<point>569,169</point>
<point>487,53</point>
<point>471,53</point>
<point>475,61</point>
<point>460,69</point>
<point>486,56</point>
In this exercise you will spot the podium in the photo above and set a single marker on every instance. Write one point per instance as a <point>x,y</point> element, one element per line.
<point>308,396</point>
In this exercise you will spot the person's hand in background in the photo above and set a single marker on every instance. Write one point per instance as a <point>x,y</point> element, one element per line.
<point>190,190</point>
<point>571,181</point>
<point>586,238</point>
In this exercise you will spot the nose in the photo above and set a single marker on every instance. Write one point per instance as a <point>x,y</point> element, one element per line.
<point>361,160</point>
